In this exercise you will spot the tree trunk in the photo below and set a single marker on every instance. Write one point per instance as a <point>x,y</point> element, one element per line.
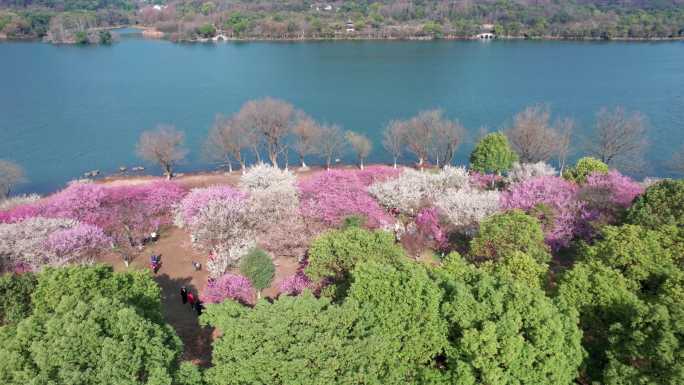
<point>328,160</point>
<point>361,163</point>
<point>257,156</point>
<point>242,166</point>
<point>395,162</point>
<point>274,158</point>
<point>169,174</point>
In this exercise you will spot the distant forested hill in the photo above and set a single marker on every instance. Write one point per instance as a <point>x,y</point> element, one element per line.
<point>385,19</point>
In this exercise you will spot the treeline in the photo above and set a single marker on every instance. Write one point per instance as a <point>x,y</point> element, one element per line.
<point>419,19</point>
<point>274,130</point>
<point>303,19</point>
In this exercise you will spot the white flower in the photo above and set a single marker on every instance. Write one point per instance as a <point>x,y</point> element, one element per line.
<point>521,172</point>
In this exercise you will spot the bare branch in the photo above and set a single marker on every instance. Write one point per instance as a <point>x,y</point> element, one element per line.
<point>620,139</point>
<point>331,143</point>
<point>11,174</point>
<point>272,119</point>
<point>226,142</point>
<point>164,145</point>
<point>306,133</point>
<point>361,145</point>
<point>394,139</point>
<point>531,135</point>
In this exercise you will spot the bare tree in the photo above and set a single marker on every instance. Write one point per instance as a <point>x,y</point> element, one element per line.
<point>272,119</point>
<point>531,135</point>
<point>331,143</point>
<point>225,143</point>
<point>564,127</point>
<point>11,174</point>
<point>420,135</point>
<point>447,136</point>
<point>361,145</point>
<point>306,133</point>
<point>620,138</point>
<point>164,146</point>
<point>393,139</point>
<point>676,164</point>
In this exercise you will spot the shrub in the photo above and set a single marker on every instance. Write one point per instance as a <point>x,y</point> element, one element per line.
<point>521,172</point>
<point>336,252</point>
<point>583,168</point>
<point>662,204</point>
<point>414,189</point>
<point>229,286</point>
<point>493,154</point>
<point>330,196</point>
<point>503,234</point>
<point>258,267</point>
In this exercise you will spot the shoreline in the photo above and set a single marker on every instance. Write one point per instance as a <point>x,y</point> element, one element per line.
<point>151,33</point>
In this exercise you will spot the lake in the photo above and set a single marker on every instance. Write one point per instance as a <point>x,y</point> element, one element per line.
<point>65,110</point>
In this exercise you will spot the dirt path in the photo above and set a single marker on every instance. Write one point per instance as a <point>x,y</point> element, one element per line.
<point>177,271</point>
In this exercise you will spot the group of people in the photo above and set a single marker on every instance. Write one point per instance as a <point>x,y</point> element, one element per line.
<point>188,298</point>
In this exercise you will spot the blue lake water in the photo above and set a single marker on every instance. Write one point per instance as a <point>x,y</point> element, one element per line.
<point>65,110</point>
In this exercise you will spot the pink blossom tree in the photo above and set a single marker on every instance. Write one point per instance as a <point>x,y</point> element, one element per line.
<point>607,195</point>
<point>570,216</point>
<point>228,286</point>
<point>198,198</point>
<point>295,284</point>
<point>428,224</point>
<point>332,195</point>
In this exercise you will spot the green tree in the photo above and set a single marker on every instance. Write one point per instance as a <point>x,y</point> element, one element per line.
<point>632,336</point>
<point>493,154</point>
<point>258,267</point>
<point>189,374</point>
<point>135,288</point>
<point>15,301</point>
<point>521,267</point>
<point>96,342</point>
<point>638,254</point>
<point>505,233</point>
<point>206,30</point>
<point>399,329</point>
<point>583,168</point>
<point>506,332</point>
<point>336,252</point>
<point>662,204</point>
<point>296,340</point>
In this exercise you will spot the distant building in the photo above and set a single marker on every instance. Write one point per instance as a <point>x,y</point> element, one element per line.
<point>486,32</point>
<point>350,26</point>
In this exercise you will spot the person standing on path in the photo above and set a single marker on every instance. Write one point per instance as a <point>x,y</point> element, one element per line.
<point>191,300</point>
<point>184,295</point>
<point>198,307</point>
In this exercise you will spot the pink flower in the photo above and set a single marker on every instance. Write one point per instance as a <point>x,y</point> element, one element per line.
<point>229,286</point>
<point>330,196</point>
<point>484,181</point>
<point>295,284</point>
<point>570,216</point>
<point>77,240</point>
<point>427,222</point>
<point>199,198</point>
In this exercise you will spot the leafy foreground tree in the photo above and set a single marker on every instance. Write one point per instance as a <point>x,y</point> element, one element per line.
<point>505,332</point>
<point>628,291</point>
<point>493,154</point>
<point>400,324</point>
<point>662,204</point>
<point>15,303</point>
<point>295,340</point>
<point>98,342</point>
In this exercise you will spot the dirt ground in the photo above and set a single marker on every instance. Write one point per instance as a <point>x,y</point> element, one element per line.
<point>177,271</point>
